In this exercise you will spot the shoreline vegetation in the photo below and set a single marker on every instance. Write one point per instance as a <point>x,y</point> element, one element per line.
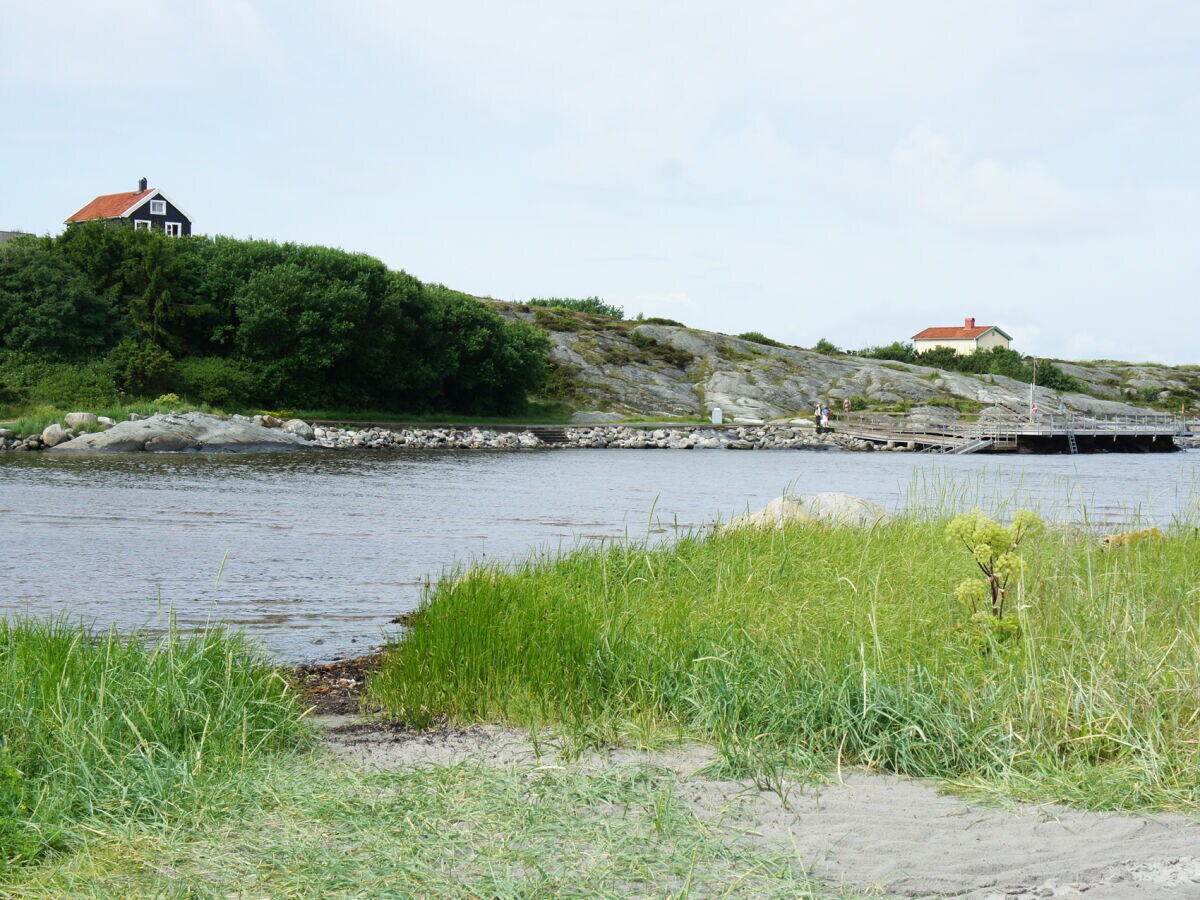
<point>795,651</point>
<point>107,318</point>
<point>812,646</point>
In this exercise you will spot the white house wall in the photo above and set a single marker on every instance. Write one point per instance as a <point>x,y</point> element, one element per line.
<point>963,346</point>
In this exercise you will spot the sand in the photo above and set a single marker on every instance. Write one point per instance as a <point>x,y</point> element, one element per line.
<point>866,831</point>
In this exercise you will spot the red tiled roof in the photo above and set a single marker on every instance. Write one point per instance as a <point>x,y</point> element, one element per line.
<point>110,206</point>
<point>952,333</point>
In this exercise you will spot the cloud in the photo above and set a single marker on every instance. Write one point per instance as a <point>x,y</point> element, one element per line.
<point>985,194</point>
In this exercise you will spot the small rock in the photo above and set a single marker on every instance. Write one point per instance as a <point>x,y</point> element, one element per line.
<point>7,434</point>
<point>105,422</point>
<point>135,417</point>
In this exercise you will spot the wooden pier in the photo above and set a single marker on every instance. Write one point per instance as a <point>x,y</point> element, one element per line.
<point>1046,433</point>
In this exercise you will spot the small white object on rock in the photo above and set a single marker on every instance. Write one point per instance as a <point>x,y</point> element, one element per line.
<point>830,507</point>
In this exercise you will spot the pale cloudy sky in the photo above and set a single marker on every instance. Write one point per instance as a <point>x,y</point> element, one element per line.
<point>849,170</point>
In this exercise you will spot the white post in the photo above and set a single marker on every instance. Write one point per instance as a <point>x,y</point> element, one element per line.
<point>1032,385</point>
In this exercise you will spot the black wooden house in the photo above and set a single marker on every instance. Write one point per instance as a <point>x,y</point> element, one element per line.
<point>146,207</point>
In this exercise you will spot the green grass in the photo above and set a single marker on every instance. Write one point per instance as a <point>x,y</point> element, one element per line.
<point>813,646</point>
<point>534,414</point>
<point>99,730</point>
<point>183,769</point>
<point>322,829</point>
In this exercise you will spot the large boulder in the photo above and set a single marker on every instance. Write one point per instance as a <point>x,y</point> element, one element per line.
<point>55,434</point>
<point>186,431</point>
<point>300,428</point>
<point>77,420</point>
<point>830,507</point>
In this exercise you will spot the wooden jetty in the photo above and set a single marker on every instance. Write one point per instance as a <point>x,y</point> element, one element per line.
<point>1043,433</point>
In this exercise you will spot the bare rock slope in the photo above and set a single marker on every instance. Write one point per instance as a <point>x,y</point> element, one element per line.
<point>667,370</point>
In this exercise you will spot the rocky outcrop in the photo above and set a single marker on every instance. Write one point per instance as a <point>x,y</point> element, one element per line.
<point>669,371</point>
<point>831,507</point>
<point>187,431</point>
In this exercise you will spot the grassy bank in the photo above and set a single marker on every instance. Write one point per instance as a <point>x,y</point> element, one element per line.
<point>98,730</point>
<point>812,647</point>
<point>314,828</point>
<point>185,769</point>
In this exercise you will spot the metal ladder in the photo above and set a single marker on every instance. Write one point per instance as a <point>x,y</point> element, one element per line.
<point>1071,441</point>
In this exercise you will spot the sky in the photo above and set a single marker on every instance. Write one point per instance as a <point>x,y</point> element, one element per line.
<point>854,171</point>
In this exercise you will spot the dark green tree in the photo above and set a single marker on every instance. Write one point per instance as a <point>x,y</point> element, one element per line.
<point>47,306</point>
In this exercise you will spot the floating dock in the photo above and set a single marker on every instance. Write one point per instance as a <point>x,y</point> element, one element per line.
<point>1037,434</point>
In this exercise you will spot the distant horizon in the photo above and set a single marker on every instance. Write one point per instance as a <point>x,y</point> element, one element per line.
<point>804,170</point>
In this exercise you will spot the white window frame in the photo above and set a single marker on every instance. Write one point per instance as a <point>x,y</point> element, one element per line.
<point>173,229</point>
<point>158,207</point>
<point>141,223</point>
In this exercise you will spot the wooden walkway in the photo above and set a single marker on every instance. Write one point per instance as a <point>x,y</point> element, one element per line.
<point>1046,433</point>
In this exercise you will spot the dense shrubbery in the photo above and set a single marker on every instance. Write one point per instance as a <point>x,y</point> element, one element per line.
<point>593,306</point>
<point>996,361</point>
<point>758,337</point>
<point>232,322</point>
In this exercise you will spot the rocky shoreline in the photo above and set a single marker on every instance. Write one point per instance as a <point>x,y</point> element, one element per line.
<point>624,437</point>
<point>201,432</point>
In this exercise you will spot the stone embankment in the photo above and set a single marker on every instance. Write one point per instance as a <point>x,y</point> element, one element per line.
<point>203,432</point>
<point>421,439</point>
<point>751,437</point>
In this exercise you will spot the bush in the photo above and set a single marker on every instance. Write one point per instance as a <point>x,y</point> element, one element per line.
<point>593,306</point>
<point>824,346</point>
<point>215,380</point>
<point>758,337</point>
<point>659,320</point>
<point>899,351</point>
<point>141,368</point>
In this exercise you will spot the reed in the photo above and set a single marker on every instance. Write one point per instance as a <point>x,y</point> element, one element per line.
<point>98,728</point>
<point>810,647</point>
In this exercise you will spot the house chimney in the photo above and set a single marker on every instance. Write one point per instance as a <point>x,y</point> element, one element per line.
<point>970,321</point>
<point>142,186</point>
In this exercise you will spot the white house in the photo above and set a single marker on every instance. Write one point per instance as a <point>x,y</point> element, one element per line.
<point>962,339</point>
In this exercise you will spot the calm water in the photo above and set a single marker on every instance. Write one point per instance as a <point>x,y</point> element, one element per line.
<point>313,553</point>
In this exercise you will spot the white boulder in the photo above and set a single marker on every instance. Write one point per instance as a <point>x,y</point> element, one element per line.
<point>55,434</point>
<point>77,420</point>
<point>830,507</point>
<point>300,428</point>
